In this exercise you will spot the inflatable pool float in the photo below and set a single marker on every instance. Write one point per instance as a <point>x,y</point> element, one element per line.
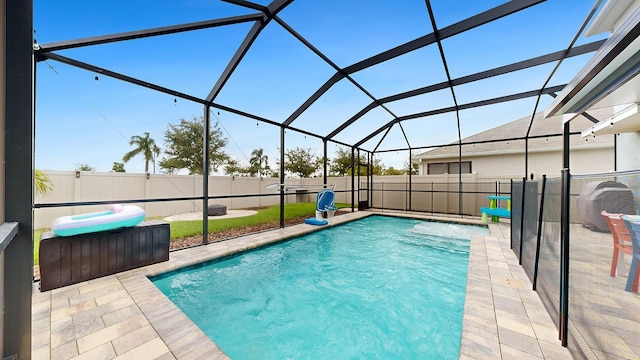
<point>117,216</point>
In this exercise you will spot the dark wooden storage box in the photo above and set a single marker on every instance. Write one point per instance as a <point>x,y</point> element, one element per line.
<point>66,260</point>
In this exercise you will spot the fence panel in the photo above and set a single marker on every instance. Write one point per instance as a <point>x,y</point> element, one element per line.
<point>438,194</point>
<point>71,186</point>
<point>422,198</point>
<point>548,282</point>
<point>603,317</point>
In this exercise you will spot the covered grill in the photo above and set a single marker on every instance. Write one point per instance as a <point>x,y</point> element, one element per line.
<point>612,196</point>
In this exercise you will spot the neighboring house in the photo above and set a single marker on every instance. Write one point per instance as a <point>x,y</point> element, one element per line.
<point>606,89</point>
<point>507,158</point>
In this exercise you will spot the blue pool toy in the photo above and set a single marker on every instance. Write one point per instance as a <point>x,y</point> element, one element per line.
<point>324,204</point>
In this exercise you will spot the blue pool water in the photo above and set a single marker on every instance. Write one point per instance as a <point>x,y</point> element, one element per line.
<point>379,287</point>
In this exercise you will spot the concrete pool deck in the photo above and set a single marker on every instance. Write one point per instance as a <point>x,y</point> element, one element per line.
<point>125,316</point>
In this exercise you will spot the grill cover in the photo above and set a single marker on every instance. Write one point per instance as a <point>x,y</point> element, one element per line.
<point>612,196</point>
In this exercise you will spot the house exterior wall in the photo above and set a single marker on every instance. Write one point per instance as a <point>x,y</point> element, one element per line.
<point>512,165</point>
<point>592,161</point>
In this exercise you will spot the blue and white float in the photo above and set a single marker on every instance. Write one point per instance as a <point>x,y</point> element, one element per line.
<point>118,216</point>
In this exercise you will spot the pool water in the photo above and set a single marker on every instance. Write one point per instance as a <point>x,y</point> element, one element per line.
<point>379,287</point>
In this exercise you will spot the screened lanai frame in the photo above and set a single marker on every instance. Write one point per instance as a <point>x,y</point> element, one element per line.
<point>266,14</point>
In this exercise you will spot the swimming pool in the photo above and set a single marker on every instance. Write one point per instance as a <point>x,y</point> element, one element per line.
<point>377,287</point>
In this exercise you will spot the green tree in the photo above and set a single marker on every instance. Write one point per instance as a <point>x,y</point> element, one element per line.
<point>84,167</point>
<point>145,146</point>
<point>118,167</point>
<point>414,167</point>
<point>259,163</point>
<point>43,184</point>
<point>301,162</point>
<point>392,171</point>
<point>341,164</point>
<point>233,167</point>
<point>377,167</point>
<point>183,147</point>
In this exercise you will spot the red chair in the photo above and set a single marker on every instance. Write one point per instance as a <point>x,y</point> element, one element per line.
<point>621,238</point>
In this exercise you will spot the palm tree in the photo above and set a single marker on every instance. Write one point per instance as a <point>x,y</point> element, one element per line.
<point>147,147</point>
<point>44,185</point>
<point>258,158</point>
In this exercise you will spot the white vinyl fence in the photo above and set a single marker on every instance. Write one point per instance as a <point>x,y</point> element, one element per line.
<point>71,186</point>
<point>431,193</point>
<point>436,193</point>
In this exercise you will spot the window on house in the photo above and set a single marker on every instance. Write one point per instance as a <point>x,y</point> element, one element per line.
<point>435,168</point>
<point>454,167</point>
<point>449,167</point>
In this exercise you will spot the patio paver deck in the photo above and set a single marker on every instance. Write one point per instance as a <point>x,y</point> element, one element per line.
<point>125,316</point>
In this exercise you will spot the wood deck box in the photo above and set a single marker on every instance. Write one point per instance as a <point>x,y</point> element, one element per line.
<point>72,259</point>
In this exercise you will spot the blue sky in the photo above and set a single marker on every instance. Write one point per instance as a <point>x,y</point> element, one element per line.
<point>83,120</point>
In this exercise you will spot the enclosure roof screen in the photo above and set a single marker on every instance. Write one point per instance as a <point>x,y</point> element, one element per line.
<point>380,76</point>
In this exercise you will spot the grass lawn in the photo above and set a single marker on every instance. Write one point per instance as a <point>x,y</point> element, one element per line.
<point>181,229</point>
